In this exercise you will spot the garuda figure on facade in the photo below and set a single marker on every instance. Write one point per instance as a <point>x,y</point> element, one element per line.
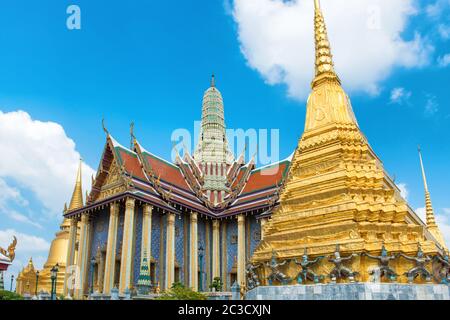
<point>306,273</point>
<point>421,260</point>
<point>444,272</point>
<point>340,271</point>
<point>383,266</point>
<point>252,277</point>
<point>276,274</point>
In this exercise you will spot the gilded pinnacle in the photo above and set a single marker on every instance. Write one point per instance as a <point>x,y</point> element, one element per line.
<point>324,59</point>
<point>77,197</point>
<point>428,206</point>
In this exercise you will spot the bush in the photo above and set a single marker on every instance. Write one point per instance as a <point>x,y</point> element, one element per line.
<point>216,284</point>
<point>179,292</point>
<point>8,295</point>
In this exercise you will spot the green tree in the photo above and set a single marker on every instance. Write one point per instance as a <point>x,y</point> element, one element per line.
<point>179,292</point>
<point>8,295</point>
<point>216,284</point>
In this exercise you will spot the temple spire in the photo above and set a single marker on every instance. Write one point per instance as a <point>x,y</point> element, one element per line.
<point>213,81</point>
<point>77,196</point>
<point>324,66</point>
<point>430,219</point>
<point>429,207</point>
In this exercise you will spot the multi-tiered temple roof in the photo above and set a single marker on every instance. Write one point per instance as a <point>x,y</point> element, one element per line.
<point>211,182</point>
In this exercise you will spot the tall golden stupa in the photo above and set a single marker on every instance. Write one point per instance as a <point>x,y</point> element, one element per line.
<point>57,254</point>
<point>338,194</point>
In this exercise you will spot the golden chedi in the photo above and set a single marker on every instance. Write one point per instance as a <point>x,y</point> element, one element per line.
<point>338,193</point>
<point>57,255</point>
<point>26,280</point>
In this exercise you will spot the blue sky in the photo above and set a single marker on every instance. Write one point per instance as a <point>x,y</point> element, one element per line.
<point>150,62</point>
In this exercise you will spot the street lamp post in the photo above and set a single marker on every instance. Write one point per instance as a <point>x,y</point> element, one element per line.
<point>37,281</point>
<point>91,290</point>
<point>201,251</point>
<point>12,279</point>
<point>53,277</point>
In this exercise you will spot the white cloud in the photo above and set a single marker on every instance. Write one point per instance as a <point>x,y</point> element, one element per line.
<point>277,40</point>
<point>442,220</point>
<point>27,246</point>
<point>436,9</point>
<point>444,31</point>
<point>400,95</point>
<point>403,190</point>
<point>25,243</point>
<point>10,195</point>
<point>421,212</point>
<point>41,158</point>
<point>444,61</point>
<point>431,105</point>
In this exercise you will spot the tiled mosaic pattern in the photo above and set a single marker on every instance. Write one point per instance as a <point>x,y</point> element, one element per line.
<point>352,291</point>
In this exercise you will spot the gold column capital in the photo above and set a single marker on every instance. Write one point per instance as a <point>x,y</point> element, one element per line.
<point>147,209</point>
<point>241,218</point>
<point>216,224</point>
<point>114,208</point>
<point>130,203</point>
<point>171,218</point>
<point>84,218</point>
<point>194,217</point>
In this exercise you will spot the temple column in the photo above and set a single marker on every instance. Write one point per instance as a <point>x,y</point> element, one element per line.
<point>146,243</point>
<point>70,254</point>
<point>127,246</point>
<point>241,251</point>
<point>263,222</point>
<point>110,263</point>
<point>83,257</point>
<point>170,251</point>
<point>216,249</point>
<point>193,272</point>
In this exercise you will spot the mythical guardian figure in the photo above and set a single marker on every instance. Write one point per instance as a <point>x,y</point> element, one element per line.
<point>252,277</point>
<point>384,269</point>
<point>306,273</point>
<point>11,251</point>
<point>276,274</point>
<point>340,271</point>
<point>444,272</point>
<point>421,260</point>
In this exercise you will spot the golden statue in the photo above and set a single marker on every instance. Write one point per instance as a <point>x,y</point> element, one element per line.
<point>10,253</point>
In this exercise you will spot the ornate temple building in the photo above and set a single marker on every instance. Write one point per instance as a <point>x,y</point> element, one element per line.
<point>193,220</point>
<point>208,214</point>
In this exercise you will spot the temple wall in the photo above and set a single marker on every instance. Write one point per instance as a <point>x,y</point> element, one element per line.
<point>254,236</point>
<point>179,247</point>
<point>156,236</point>
<point>202,261</point>
<point>162,246</point>
<point>186,247</point>
<point>232,234</point>
<point>99,238</point>
<point>137,244</point>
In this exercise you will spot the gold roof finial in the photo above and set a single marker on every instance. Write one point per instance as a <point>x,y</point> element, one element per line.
<point>428,206</point>
<point>430,219</point>
<point>324,59</point>
<point>77,196</point>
